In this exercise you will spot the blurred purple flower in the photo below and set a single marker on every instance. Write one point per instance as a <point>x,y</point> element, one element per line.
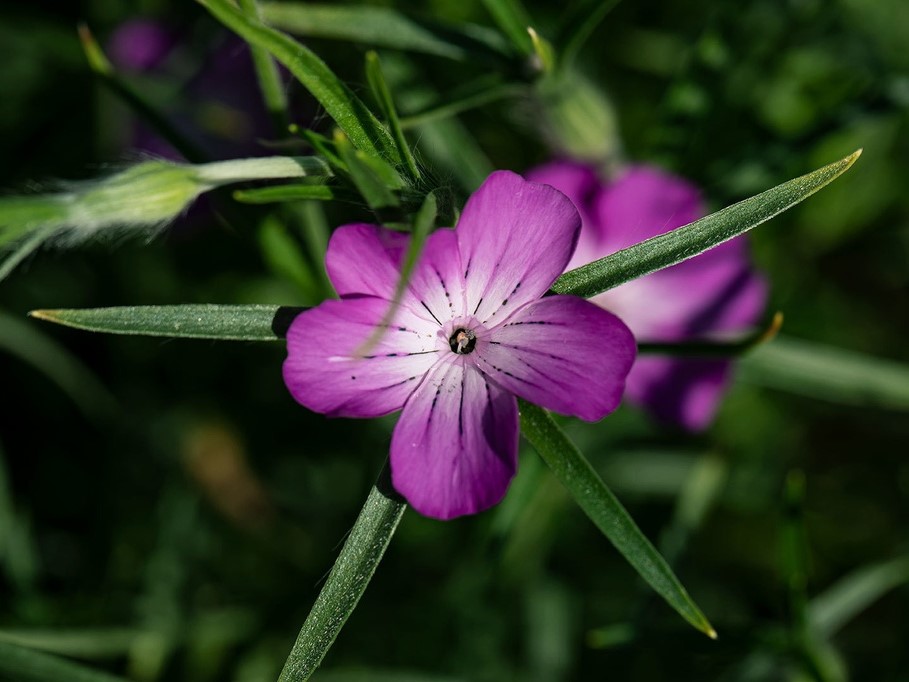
<point>715,293</point>
<point>471,333</point>
<point>217,105</point>
<point>140,44</point>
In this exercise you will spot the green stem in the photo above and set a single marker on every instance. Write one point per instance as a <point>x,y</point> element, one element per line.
<point>347,581</point>
<point>713,349</point>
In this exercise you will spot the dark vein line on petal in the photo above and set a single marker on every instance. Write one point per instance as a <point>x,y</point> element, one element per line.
<point>422,303</point>
<point>461,405</point>
<point>509,374</point>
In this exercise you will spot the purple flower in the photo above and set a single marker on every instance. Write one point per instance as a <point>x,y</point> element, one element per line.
<point>140,44</point>
<point>715,293</point>
<point>472,332</point>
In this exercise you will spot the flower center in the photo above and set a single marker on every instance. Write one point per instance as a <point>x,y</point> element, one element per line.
<point>462,341</point>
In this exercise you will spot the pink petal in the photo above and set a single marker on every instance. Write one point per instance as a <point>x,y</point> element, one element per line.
<point>515,238</point>
<point>563,353</point>
<point>436,288</point>
<point>579,182</point>
<point>454,449</point>
<point>324,372</point>
<point>365,259</point>
<point>643,203</point>
<point>689,300</point>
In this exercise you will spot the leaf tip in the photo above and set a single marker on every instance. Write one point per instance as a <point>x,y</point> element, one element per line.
<point>853,157</point>
<point>710,632</point>
<point>49,315</point>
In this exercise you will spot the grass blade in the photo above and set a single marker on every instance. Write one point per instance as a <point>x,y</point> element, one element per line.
<point>423,223</point>
<point>385,27</point>
<point>383,96</point>
<point>347,110</point>
<point>512,19</point>
<point>25,665</point>
<point>347,581</point>
<point>828,373</point>
<point>690,240</point>
<point>59,365</point>
<point>295,192</point>
<point>202,321</point>
<point>269,79</point>
<point>602,507</point>
<point>830,611</point>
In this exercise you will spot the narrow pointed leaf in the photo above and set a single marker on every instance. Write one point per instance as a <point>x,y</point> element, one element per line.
<point>579,25</point>
<point>354,568</point>
<point>26,665</point>
<point>512,19</point>
<point>828,373</point>
<point>423,223</point>
<point>42,352</point>
<point>206,321</point>
<point>386,103</point>
<point>347,110</point>
<point>296,192</point>
<point>846,599</point>
<point>485,91</point>
<point>24,249</point>
<point>385,27</point>
<point>371,185</point>
<point>690,240</point>
<point>269,79</point>
<point>598,502</point>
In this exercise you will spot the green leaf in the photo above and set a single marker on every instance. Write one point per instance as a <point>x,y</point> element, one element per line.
<point>371,185</point>
<point>77,381</point>
<point>284,257</point>
<point>385,27</point>
<point>269,79</point>
<point>484,91</point>
<point>25,665</point>
<point>386,103</point>
<point>294,192</point>
<point>347,110</point>
<point>205,321</point>
<point>690,240</point>
<point>24,249</point>
<point>828,373</point>
<point>843,601</point>
<point>83,642</point>
<point>424,221</point>
<point>579,25</point>
<point>347,581</point>
<point>512,19</point>
<point>598,502</point>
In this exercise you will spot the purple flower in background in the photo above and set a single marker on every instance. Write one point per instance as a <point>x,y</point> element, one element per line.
<point>471,333</point>
<point>713,294</point>
<point>214,98</point>
<point>140,44</point>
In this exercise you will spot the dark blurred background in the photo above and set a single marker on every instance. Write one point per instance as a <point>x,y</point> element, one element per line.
<point>168,512</point>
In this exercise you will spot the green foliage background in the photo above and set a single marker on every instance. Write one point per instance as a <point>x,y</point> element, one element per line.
<point>167,511</point>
